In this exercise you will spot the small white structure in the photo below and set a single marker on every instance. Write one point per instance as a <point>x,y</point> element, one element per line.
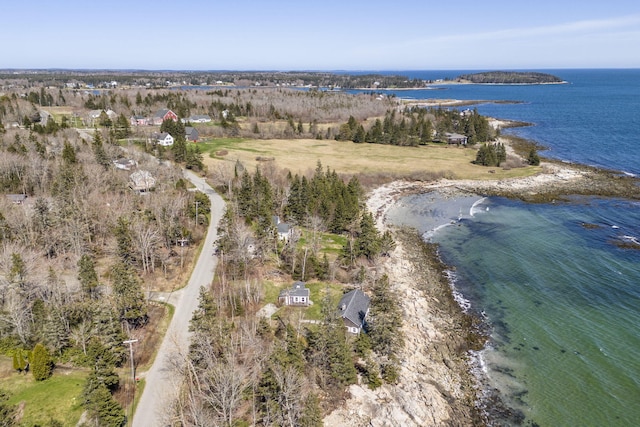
<point>125,164</point>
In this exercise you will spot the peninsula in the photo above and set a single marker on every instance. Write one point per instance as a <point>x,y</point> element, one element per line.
<point>510,77</point>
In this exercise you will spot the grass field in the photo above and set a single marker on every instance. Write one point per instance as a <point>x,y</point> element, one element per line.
<point>57,398</point>
<point>302,155</point>
<point>317,290</point>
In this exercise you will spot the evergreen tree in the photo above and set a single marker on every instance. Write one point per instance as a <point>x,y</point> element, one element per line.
<point>107,328</point>
<point>129,299</point>
<point>367,242</point>
<point>19,362</point>
<point>69,154</point>
<point>245,196</point>
<point>312,413</point>
<point>103,409</point>
<point>329,349</point>
<point>102,362</point>
<point>124,240</point>
<point>87,275</point>
<point>360,134</point>
<point>384,323</point>
<point>123,127</point>
<point>533,158</point>
<point>179,149</point>
<point>193,158</point>
<point>376,133</point>
<point>387,244</point>
<point>372,374</point>
<point>41,364</point>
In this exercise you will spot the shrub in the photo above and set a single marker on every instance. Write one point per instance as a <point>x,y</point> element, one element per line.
<point>41,364</point>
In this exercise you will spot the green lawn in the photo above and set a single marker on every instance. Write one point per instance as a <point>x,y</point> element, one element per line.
<point>329,243</point>
<point>318,291</point>
<point>57,398</point>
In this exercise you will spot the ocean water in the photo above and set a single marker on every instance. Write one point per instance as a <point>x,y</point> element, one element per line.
<point>554,282</point>
<point>594,119</point>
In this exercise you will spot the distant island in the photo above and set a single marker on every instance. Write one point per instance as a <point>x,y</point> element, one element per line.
<point>510,77</point>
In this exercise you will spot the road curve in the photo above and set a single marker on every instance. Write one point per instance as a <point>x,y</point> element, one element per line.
<point>161,385</point>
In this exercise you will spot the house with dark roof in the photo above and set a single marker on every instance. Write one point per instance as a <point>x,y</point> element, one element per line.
<point>353,308</point>
<point>138,121</point>
<point>456,138</point>
<point>285,231</point>
<point>297,294</point>
<point>162,115</point>
<point>191,134</point>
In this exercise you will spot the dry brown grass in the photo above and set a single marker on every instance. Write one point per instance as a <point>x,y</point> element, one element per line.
<point>302,155</point>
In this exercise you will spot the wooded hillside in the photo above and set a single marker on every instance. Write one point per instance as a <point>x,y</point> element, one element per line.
<point>510,77</point>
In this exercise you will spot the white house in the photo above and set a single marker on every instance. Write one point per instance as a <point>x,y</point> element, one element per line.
<point>199,118</point>
<point>164,139</point>
<point>285,231</point>
<point>298,294</point>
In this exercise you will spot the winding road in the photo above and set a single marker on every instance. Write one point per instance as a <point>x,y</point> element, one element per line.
<point>161,384</point>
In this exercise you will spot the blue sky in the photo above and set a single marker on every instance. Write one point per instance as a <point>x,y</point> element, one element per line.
<point>320,35</point>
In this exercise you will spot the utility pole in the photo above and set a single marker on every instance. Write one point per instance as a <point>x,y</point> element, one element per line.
<point>133,376</point>
<point>197,202</point>
<point>133,372</point>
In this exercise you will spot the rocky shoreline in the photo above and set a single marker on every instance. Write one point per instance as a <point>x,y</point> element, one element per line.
<point>437,386</point>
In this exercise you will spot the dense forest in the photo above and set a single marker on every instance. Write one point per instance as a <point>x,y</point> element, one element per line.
<point>418,126</point>
<point>510,77</point>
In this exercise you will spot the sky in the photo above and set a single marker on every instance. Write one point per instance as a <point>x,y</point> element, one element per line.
<point>329,35</point>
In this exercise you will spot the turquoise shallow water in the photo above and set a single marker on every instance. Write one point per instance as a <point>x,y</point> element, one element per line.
<point>561,298</point>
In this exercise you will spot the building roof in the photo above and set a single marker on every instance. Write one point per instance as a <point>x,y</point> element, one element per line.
<point>161,113</point>
<point>142,180</point>
<point>455,136</point>
<point>17,198</point>
<point>199,117</point>
<point>283,228</point>
<point>159,136</point>
<point>353,307</point>
<point>297,290</point>
<point>125,164</point>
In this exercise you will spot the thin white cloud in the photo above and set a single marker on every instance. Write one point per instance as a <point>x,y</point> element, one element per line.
<point>546,46</point>
<point>565,29</point>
